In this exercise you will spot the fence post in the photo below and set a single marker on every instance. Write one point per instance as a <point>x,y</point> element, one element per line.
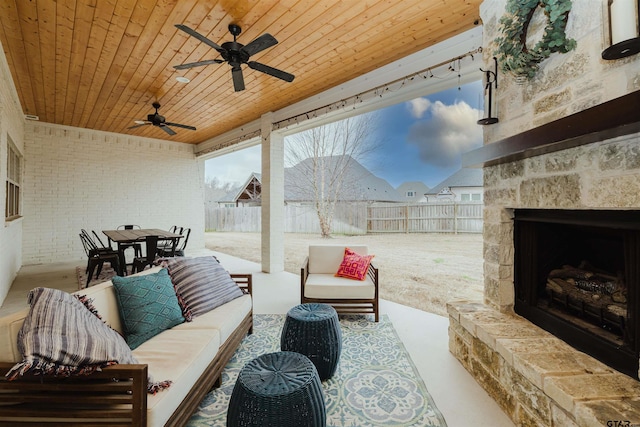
<point>455,217</point>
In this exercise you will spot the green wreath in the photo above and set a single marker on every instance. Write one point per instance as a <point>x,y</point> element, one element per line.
<point>515,57</point>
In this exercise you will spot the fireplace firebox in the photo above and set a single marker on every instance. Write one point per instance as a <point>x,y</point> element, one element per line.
<point>577,275</point>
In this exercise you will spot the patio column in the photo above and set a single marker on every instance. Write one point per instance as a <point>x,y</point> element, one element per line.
<point>272,197</point>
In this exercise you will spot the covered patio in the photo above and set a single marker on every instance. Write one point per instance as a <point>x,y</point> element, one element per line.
<point>425,336</point>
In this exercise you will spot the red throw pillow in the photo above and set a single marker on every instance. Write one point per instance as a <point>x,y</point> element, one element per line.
<point>354,266</point>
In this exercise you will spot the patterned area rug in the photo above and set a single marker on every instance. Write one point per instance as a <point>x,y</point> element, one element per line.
<point>376,383</point>
<point>106,274</point>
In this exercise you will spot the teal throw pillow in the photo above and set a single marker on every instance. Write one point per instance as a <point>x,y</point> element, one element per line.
<point>148,305</point>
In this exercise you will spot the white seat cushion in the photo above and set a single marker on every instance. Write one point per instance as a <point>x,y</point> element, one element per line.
<point>225,318</point>
<point>180,356</point>
<point>327,258</point>
<point>327,286</point>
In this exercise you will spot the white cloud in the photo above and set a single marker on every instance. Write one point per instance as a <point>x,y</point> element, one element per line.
<point>234,167</point>
<point>418,107</point>
<point>450,131</point>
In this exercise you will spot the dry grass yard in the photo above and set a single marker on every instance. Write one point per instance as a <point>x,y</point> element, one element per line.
<point>418,270</point>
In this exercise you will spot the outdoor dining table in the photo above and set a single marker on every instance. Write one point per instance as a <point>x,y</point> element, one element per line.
<point>122,237</point>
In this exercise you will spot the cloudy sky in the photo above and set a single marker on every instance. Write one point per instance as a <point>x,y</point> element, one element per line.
<point>421,140</point>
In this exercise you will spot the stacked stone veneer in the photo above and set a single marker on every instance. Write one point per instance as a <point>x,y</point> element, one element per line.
<point>535,377</point>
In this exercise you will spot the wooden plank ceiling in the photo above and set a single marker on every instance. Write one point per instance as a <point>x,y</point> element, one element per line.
<point>99,64</point>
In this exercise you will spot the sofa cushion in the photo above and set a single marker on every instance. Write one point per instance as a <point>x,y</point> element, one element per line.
<point>326,259</point>
<point>148,305</point>
<point>225,318</point>
<point>60,336</point>
<point>329,286</point>
<point>183,356</point>
<point>354,266</point>
<point>202,283</point>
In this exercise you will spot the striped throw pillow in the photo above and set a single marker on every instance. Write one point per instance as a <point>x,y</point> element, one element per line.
<point>202,283</point>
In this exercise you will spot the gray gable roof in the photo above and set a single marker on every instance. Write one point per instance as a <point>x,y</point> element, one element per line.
<point>359,183</point>
<point>466,177</point>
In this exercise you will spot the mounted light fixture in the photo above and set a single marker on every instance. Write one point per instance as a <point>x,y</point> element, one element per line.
<point>624,29</point>
<point>490,80</point>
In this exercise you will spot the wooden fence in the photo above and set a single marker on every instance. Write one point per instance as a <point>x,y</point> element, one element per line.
<point>358,218</point>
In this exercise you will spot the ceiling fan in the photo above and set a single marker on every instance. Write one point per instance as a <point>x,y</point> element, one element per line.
<point>235,54</point>
<point>157,120</point>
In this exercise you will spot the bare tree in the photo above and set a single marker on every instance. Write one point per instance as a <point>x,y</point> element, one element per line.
<point>214,190</point>
<point>320,160</point>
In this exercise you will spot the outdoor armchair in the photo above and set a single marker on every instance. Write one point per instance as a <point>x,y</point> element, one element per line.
<point>319,284</point>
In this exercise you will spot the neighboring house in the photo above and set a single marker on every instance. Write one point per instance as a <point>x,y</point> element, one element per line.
<point>358,185</point>
<point>413,191</point>
<point>247,194</point>
<point>463,186</point>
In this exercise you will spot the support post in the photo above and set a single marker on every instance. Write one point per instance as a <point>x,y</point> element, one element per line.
<point>272,197</point>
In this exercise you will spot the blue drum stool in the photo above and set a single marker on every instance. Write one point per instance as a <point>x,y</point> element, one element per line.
<point>314,330</point>
<point>277,390</point>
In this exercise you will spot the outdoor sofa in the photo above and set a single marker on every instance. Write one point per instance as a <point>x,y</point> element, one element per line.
<point>191,355</point>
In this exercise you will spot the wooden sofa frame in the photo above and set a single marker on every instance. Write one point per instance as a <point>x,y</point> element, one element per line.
<point>116,396</point>
<point>344,306</point>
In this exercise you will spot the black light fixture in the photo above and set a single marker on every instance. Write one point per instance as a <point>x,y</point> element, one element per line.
<point>490,82</point>
<point>624,29</point>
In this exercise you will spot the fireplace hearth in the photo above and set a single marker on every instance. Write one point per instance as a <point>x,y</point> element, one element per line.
<point>576,275</point>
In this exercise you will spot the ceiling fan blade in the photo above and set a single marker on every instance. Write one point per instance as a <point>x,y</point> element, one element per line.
<point>261,43</point>
<point>179,125</point>
<point>197,64</point>
<point>167,129</point>
<point>238,79</point>
<point>271,71</point>
<point>138,125</point>
<point>200,37</point>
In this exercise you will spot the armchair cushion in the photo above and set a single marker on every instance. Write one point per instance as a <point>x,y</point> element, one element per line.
<point>354,265</point>
<point>326,259</point>
<point>328,286</point>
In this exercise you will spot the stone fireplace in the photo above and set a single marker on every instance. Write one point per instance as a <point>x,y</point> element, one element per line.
<point>576,276</point>
<point>537,369</point>
<point>564,155</point>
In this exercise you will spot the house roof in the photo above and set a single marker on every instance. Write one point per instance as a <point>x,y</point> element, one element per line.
<point>361,184</point>
<point>417,186</point>
<point>358,182</point>
<point>466,177</point>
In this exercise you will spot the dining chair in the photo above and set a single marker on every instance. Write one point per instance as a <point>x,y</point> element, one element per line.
<point>151,247</point>
<point>137,247</point>
<point>175,248</point>
<point>183,243</point>
<point>168,247</point>
<point>97,257</point>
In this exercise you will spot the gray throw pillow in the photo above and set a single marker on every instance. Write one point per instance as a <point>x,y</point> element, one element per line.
<point>203,284</point>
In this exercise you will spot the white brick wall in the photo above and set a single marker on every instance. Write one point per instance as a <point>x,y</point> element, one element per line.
<point>78,178</point>
<point>11,126</point>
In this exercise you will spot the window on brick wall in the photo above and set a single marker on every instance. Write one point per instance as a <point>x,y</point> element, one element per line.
<point>14,174</point>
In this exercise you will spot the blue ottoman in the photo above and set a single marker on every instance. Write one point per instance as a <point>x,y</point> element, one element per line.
<point>277,390</point>
<point>314,330</point>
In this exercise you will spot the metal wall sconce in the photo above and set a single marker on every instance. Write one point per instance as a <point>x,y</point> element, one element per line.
<point>624,29</point>
<point>490,82</point>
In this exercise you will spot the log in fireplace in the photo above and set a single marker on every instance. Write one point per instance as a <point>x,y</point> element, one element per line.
<point>577,275</point>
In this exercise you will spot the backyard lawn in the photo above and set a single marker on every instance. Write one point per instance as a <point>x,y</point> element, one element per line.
<point>418,270</point>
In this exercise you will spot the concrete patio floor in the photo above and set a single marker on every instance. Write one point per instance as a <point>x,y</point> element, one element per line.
<point>425,335</point>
